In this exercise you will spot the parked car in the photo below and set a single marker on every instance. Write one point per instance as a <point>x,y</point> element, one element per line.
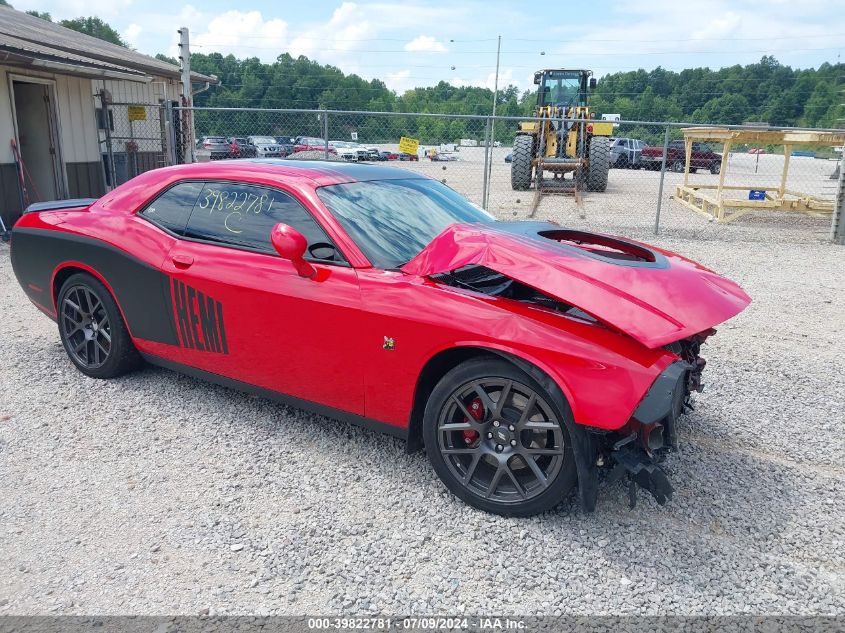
<point>311,144</point>
<point>266,146</point>
<point>349,151</point>
<point>625,152</point>
<point>240,147</point>
<point>372,153</point>
<point>408,157</point>
<point>442,158</point>
<point>388,156</point>
<point>702,157</point>
<point>522,356</point>
<point>285,144</point>
<point>756,150</point>
<point>217,146</point>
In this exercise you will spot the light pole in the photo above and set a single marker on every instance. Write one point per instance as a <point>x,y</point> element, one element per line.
<point>493,121</point>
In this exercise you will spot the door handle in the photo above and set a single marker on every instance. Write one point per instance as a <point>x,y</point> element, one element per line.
<point>181,260</point>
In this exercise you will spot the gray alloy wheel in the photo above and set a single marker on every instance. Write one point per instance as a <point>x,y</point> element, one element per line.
<point>497,441</point>
<point>86,327</point>
<point>92,330</point>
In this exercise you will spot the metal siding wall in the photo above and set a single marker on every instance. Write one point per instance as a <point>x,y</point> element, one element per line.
<point>76,120</point>
<point>7,129</point>
<point>135,92</point>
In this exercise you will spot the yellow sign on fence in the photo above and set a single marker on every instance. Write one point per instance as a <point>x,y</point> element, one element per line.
<point>137,113</point>
<point>409,145</point>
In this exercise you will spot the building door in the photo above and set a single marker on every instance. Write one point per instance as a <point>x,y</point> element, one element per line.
<point>35,125</point>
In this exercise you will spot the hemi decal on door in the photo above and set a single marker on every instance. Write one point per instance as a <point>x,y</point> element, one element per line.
<point>199,320</point>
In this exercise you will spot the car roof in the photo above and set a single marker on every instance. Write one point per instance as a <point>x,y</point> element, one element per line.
<point>318,172</point>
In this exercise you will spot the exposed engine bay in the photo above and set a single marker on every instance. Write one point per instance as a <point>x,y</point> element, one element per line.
<point>487,281</point>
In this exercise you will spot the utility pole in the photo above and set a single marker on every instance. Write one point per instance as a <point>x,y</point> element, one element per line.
<point>491,142</point>
<point>187,118</point>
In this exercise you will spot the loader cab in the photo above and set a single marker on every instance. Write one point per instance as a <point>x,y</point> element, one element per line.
<point>563,88</point>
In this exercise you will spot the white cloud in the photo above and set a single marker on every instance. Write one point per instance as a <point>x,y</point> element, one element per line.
<point>400,81</point>
<point>131,33</point>
<point>426,44</point>
<point>243,34</point>
<point>677,35</point>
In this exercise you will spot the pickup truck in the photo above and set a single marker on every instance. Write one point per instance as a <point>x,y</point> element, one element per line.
<point>702,157</point>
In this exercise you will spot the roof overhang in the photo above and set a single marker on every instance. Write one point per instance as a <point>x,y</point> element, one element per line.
<point>24,62</point>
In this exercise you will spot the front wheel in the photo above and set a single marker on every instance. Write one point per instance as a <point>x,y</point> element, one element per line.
<point>521,167</point>
<point>715,167</point>
<point>92,329</point>
<point>678,166</point>
<point>599,163</point>
<point>497,440</point>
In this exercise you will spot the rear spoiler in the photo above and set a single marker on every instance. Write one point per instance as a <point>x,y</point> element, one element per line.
<point>57,205</point>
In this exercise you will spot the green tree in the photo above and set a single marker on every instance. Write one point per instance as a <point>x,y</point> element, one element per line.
<point>44,15</point>
<point>95,27</point>
<point>730,109</point>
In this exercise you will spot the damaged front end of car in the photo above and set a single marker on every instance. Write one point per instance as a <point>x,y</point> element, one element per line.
<point>637,450</point>
<point>659,299</point>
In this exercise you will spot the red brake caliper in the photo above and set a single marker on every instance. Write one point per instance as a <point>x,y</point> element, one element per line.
<point>476,410</point>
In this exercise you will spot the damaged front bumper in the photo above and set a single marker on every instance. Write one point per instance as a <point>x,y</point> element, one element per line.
<point>637,450</point>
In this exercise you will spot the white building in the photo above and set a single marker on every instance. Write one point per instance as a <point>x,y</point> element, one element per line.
<point>51,82</point>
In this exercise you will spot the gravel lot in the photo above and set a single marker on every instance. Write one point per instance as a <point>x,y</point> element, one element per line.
<point>160,494</point>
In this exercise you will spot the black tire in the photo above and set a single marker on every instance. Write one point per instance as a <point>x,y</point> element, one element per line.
<point>92,329</point>
<point>523,154</point>
<point>715,167</point>
<point>472,462</point>
<point>678,166</point>
<point>599,168</point>
<point>622,162</point>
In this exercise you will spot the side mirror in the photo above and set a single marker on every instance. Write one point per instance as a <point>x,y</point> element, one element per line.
<point>592,83</point>
<point>290,244</point>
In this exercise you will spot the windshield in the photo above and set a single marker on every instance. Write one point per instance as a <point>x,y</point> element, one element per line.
<point>561,88</point>
<point>393,220</point>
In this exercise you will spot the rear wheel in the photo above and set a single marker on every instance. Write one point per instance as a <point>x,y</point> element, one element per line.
<point>599,168</point>
<point>523,154</point>
<point>92,329</point>
<point>497,440</point>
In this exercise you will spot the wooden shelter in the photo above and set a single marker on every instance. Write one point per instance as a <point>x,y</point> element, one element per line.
<point>709,201</point>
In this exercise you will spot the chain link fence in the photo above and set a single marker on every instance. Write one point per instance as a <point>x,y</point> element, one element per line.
<point>132,138</point>
<point>745,193</point>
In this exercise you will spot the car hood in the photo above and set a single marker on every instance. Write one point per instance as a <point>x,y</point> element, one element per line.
<point>654,296</point>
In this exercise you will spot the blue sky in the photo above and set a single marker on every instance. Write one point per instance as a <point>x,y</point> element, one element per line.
<point>416,43</point>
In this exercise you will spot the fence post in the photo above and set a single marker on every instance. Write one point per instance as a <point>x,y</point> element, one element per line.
<point>485,181</point>
<point>107,119</point>
<point>169,133</point>
<point>662,179</point>
<point>837,223</point>
<point>326,131</point>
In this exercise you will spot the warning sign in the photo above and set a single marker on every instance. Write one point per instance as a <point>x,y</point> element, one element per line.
<point>137,113</point>
<point>408,145</point>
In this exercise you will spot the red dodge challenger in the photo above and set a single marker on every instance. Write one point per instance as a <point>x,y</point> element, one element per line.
<point>523,356</point>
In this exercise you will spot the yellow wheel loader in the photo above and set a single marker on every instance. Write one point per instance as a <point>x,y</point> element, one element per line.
<point>563,139</point>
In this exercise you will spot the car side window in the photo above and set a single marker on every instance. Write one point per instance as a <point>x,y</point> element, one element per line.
<point>243,215</point>
<point>172,208</point>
